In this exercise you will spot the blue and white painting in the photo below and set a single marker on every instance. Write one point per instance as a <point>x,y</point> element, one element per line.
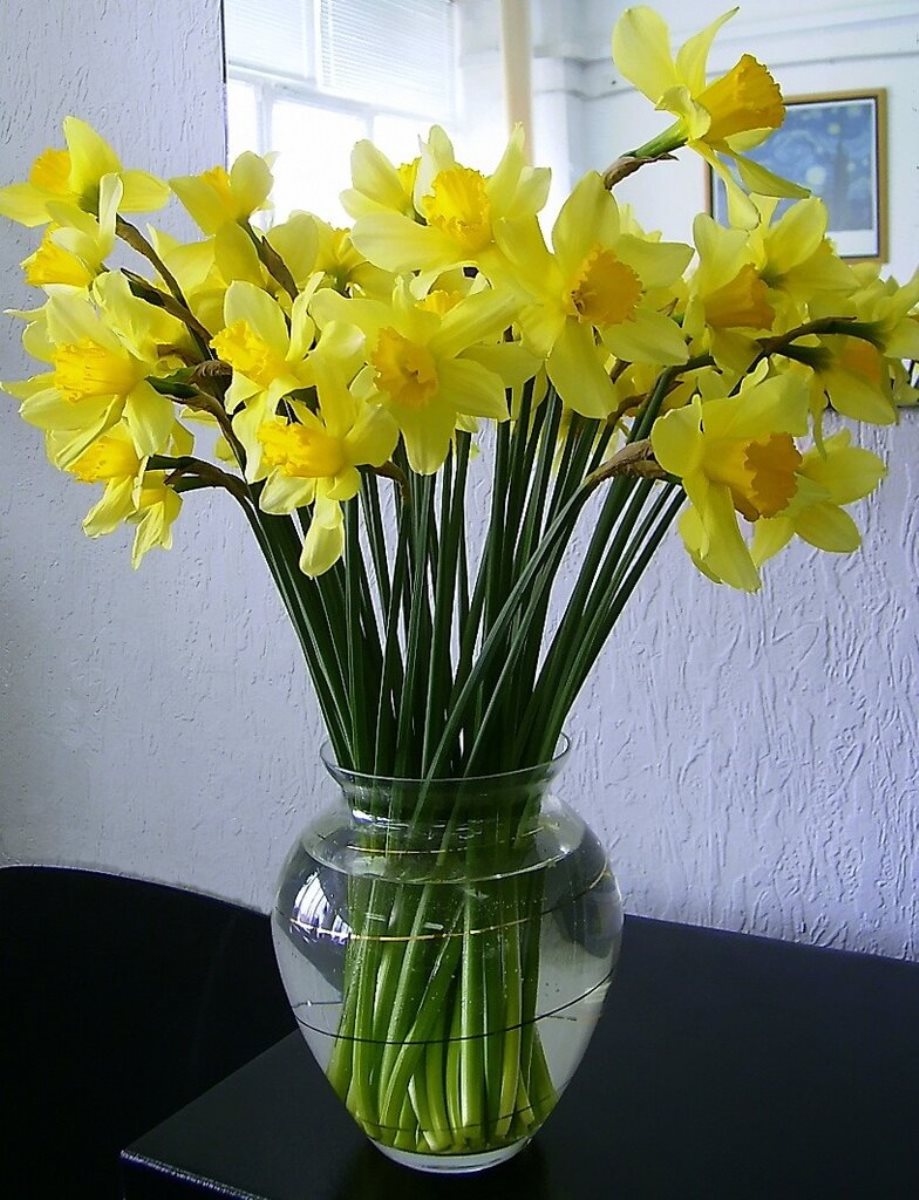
<point>831,147</point>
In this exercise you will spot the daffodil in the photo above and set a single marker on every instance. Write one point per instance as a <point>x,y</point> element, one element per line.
<point>312,459</point>
<point>378,185</point>
<point>728,303</point>
<point>795,258</point>
<point>592,287</point>
<point>131,493</point>
<point>733,454</point>
<point>429,370</point>
<point>828,478</point>
<point>725,117</point>
<point>856,372</point>
<point>459,208</point>
<point>72,254</point>
<point>269,358</point>
<point>73,177</point>
<point>217,196</point>
<point>102,358</point>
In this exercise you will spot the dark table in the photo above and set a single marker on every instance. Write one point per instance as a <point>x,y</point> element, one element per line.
<point>724,1065</point>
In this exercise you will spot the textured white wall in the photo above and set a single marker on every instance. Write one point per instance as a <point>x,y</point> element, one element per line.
<point>759,755</point>
<point>751,762</point>
<point>156,722</point>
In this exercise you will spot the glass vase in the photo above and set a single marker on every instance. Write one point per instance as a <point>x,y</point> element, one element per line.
<point>446,948</point>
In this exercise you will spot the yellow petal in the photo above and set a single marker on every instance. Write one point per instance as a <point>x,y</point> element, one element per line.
<point>91,156</point>
<point>480,317</point>
<point>649,337</point>
<point>589,216</point>
<point>828,528</point>
<point>155,525</point>
<point>692,56</point>
<point>797,235</point>
<point>471,389</point>
<point>283,493</point>
<point>373,437</point>
<point>25,204</point>
<point>236,256</point>
<point>427,435</point>
<point>578,375</point>
<point>143,192</point>
<point>758,178</point>
<point>206,206</point>
<point>658,264</point>
<point>263,314</point>
<point>374,176</point>
<point>250,183</point>
<point>641,51</point>
<point>728,554</point>
<point>848,473</point>
<point>116,504</point>
<point>398,244</point>
<point>770,535</point>
<point>676,439</point>
<point>149,417</point>
<point>325,539</point>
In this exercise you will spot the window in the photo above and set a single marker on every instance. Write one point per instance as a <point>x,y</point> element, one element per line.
<point>309,78</point>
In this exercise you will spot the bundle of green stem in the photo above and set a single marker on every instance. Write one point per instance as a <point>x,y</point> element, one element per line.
<point>432,667</point>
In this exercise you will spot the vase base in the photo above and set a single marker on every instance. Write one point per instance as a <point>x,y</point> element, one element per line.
<point>452,1164</point>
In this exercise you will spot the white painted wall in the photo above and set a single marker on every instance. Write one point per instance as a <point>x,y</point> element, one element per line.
<point>751,762</point>
<point>155,723</point>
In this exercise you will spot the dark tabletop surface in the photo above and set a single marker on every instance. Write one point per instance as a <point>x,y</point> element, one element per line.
<point>724,1065</point>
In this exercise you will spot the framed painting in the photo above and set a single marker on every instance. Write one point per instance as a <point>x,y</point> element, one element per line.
<point>834,144</point>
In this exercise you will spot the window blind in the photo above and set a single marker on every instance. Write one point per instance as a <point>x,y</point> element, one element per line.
<point>396,55</point>
<point>270,36</point>
<point>398,52</point>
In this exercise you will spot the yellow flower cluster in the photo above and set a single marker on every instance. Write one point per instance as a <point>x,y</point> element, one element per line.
<point>320,354</point>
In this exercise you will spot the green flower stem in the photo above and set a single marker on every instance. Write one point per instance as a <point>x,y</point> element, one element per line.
<point>432,1100</point>
<point>472,1022</point>
<point>410,717</point>
<point>428,998</point>
<point>452,1077</point>
<point>373,520</point>
<point>330,700</point>
<point>392,671</point>
<point>507,1074</point>
<point>360,743</point>
<point>438,674</point>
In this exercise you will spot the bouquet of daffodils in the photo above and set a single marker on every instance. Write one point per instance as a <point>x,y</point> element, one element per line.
<point>344,381</point>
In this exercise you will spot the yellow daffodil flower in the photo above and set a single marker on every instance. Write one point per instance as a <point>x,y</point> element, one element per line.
<point>459,207</point>
<point>853,376</point>
<point>218,196</point>
<point>131,493</point>
<point>378,185</point>
<point>73,252</point>
<point>270,359</point>
<point>594,285</point>
<point>857,373</point>
<point>728,302</point>
<point>795,258</point>
<point>73,177</point>
<point>313,460</point>
<point>429,369</point>
<point>724,117</point>
<point>345,268</point>
<point>733,454</point>
<point>102,358</point>
<point>827,479</point>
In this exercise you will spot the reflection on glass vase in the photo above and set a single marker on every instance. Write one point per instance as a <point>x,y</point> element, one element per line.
<point>446,948</point>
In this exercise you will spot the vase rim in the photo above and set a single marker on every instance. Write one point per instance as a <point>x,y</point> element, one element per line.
<point>547,769</point>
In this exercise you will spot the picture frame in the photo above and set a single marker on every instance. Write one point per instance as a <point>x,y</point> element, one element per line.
<point>835,144</point>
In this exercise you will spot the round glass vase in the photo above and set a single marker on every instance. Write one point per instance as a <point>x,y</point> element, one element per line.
<point>446,948</point>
